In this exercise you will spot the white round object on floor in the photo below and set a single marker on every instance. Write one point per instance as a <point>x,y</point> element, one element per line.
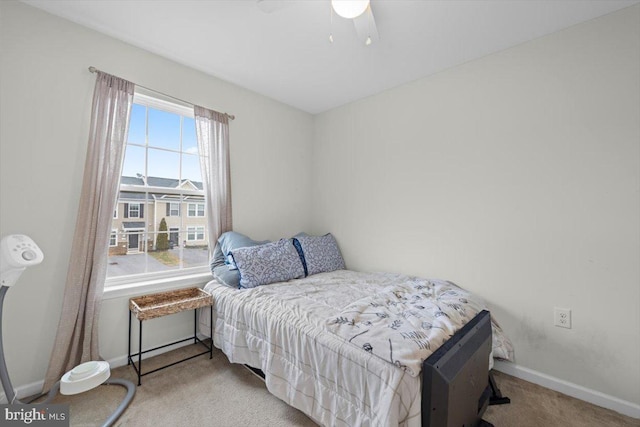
<point>84,377</point>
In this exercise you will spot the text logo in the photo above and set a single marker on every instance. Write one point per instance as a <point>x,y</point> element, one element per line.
<point>35,415</point>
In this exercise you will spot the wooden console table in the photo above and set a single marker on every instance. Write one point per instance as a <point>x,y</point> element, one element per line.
<point>162,304</point>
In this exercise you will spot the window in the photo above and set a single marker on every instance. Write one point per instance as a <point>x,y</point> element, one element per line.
<point>160,178</point>
<point>133,210</point>
<point>173,209</point>
<point>196,209</point>
<point>195,233</point>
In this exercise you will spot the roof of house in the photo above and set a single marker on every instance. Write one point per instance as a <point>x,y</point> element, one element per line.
<point>154,181</point>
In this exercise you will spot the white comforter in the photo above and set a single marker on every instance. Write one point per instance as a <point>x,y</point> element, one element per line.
<point>282,329</point>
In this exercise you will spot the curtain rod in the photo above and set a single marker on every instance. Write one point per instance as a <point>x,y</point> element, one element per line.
<point>93,69</point>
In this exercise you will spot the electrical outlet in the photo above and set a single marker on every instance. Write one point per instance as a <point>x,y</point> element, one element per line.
<point>562,317</point>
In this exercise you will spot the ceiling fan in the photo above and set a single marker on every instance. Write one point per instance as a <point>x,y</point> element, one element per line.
<point>359,11</point>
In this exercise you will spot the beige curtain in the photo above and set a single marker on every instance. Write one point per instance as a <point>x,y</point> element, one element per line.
<point>212,130</point>
<point>77,336</point>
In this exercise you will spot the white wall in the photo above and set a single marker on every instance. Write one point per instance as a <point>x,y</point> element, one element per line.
<point>517,176</point>
<point>46,94</point>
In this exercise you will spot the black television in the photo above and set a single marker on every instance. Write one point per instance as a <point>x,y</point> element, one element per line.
<point>455,378</point>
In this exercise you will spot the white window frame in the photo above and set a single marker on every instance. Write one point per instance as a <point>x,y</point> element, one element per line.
<point>126,286</point>
<point>198,212</point>
<point>130,205</point>
<point>196,231</point>
<point>113,238</point>
<point>177,209</point>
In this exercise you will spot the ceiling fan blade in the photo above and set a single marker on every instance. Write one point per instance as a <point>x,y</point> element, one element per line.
<point>365,26</point>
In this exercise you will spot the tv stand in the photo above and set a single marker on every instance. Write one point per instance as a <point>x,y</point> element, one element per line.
<point>496,395</point>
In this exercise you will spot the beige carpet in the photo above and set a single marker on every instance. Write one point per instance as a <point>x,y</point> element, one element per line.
<point>203,392</point>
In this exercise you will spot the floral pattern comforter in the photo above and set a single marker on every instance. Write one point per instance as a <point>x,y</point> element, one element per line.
<point>408,320</point>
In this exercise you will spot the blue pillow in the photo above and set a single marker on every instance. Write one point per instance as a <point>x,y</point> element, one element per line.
<point>226,243</point>
<point>268,263</point>
<point>218,257</point>
<point>320,253</point>
<point>227,277</point>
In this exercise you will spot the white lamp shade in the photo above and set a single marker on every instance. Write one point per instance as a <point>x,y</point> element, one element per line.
<point>350,8</point>
<point>84,377</point>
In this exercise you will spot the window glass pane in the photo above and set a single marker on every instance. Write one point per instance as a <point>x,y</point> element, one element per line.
<point>134,210</point>
<point>173,210</point>
<point>137,125</point>
<point>152,223</point>
<point>128,264</point>
<point>164,129</point>
<point>189,141</point>
<point>195,254</point>
<point>133,161</point>
<point>163,164</point>
<point>138,246</point>
<point>191,168</point>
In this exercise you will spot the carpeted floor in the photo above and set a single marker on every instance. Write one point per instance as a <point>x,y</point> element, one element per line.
<point>204,392</point>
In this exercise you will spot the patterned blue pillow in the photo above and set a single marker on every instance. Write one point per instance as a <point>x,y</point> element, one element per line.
<point>226,242</point>
<point>268,263</point>
<point>320,253</point>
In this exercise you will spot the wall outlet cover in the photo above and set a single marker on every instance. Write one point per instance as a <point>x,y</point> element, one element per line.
<point>562,317</point>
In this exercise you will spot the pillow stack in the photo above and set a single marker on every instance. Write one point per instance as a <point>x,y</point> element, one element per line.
<point>221,265</point>
<point>242,262</point>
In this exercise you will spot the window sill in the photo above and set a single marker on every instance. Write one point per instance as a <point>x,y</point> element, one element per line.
<point>156,285</point>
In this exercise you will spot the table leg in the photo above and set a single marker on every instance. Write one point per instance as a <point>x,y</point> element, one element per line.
<point>195,326</point>
<point>140,353</point>
<point>129,342</point>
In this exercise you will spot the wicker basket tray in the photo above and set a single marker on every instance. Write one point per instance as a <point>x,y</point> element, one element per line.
<point>161,304</point>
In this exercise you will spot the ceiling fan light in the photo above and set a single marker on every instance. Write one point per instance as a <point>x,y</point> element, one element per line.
<point>350,8</point>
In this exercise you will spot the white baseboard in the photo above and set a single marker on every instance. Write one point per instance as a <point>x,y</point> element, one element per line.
<point>24,391</point>
<point>624,407</point>
<point>36,387</point>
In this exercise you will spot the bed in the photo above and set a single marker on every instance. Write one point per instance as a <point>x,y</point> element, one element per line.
<point>332,344</point>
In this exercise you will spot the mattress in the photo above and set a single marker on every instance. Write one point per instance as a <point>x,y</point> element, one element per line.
<point>285,329</point>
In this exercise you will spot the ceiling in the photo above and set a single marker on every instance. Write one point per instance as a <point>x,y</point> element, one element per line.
<point>281,48</point>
